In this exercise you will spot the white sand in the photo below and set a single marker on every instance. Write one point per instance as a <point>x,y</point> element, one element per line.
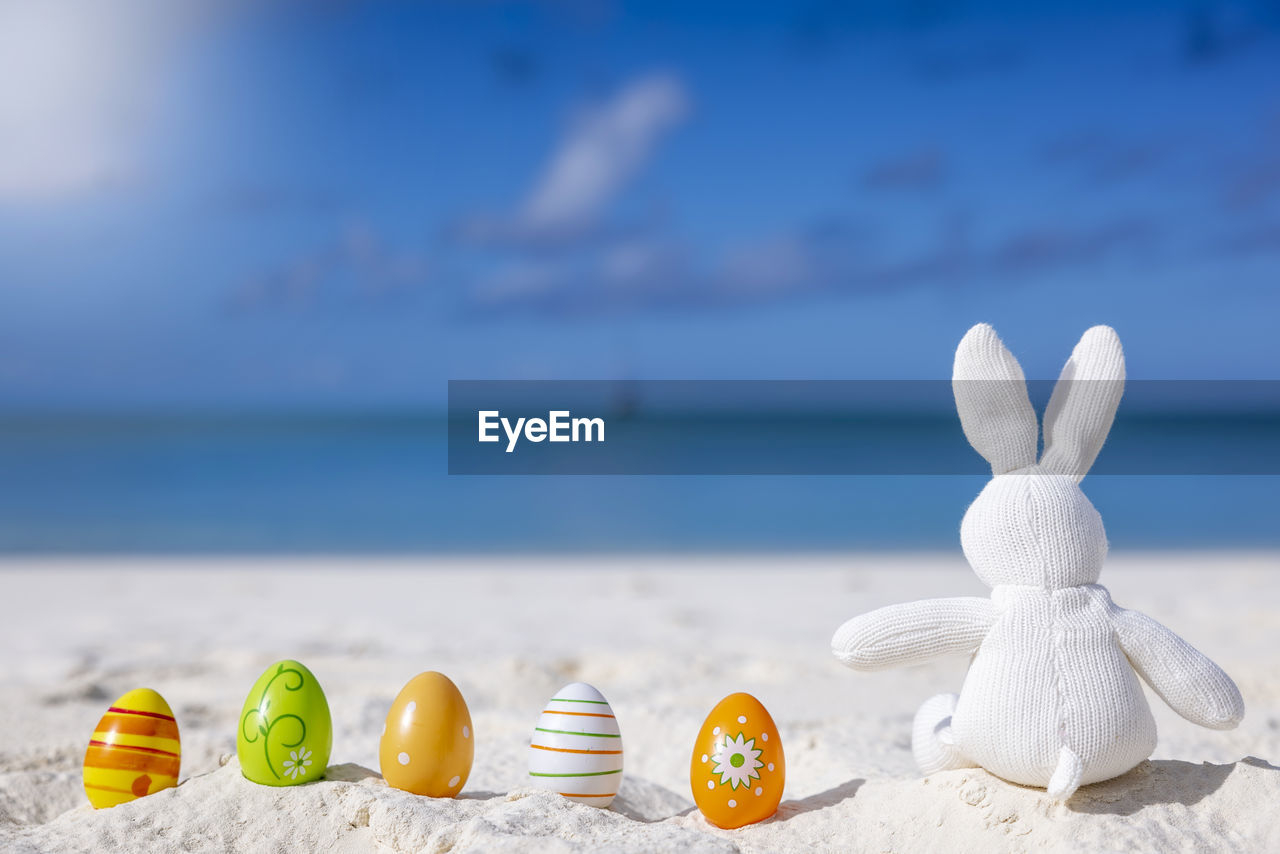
<point>663,638</point>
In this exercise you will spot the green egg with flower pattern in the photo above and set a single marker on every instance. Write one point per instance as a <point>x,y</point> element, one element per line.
<point>285,731</point>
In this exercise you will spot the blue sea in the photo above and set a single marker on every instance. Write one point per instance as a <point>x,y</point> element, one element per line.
<point>379,484</point>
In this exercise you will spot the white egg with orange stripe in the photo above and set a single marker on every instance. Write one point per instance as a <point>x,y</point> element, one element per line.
<point>576,748</point>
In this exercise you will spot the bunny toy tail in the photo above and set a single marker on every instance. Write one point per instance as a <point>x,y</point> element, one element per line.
<point>1066,777</point>
<point>932,743</point>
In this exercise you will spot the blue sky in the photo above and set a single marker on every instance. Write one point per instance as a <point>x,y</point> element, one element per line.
<point>347,204</point>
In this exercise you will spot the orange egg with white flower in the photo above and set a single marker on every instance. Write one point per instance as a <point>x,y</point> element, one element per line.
<point>738,770</point>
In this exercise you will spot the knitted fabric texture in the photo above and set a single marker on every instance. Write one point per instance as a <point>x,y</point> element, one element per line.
<point>1052,696</point>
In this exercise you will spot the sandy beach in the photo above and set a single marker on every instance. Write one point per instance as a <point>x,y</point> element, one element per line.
<point>664,638</point>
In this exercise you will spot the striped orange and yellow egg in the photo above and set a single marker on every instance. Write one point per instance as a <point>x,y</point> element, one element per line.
<point>134,750</point>
<point>576,749</point>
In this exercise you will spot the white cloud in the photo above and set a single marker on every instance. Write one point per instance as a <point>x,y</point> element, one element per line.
<point>520,280</point>
<point>605,148</point>
<point>641,263</point>
<point>76,79</point>
<point>779,264</point>
<point>357,262</point>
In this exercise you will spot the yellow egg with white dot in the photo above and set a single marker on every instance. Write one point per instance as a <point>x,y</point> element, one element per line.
<point>428,745</point>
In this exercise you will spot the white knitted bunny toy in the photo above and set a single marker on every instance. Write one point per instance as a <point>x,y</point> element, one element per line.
<point>1052,696</point>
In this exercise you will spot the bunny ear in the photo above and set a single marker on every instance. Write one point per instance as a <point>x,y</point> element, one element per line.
<point>1084,403</point>
<point>991,397</point>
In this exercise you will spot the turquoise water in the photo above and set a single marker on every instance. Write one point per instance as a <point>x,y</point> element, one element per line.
<point>379,484</point>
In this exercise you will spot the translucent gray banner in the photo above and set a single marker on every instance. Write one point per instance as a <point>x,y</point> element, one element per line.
<point>855,427</point>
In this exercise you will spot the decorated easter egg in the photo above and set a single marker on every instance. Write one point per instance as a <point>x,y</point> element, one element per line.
<point>576,748</point>
<point>285,730</point>
<point>428,744</point>
<point>738,769</point>
<point>134,750</point>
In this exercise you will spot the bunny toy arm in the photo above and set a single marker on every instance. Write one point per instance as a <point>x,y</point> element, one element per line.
<point>913,632</point>
<point>1185,678</point>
